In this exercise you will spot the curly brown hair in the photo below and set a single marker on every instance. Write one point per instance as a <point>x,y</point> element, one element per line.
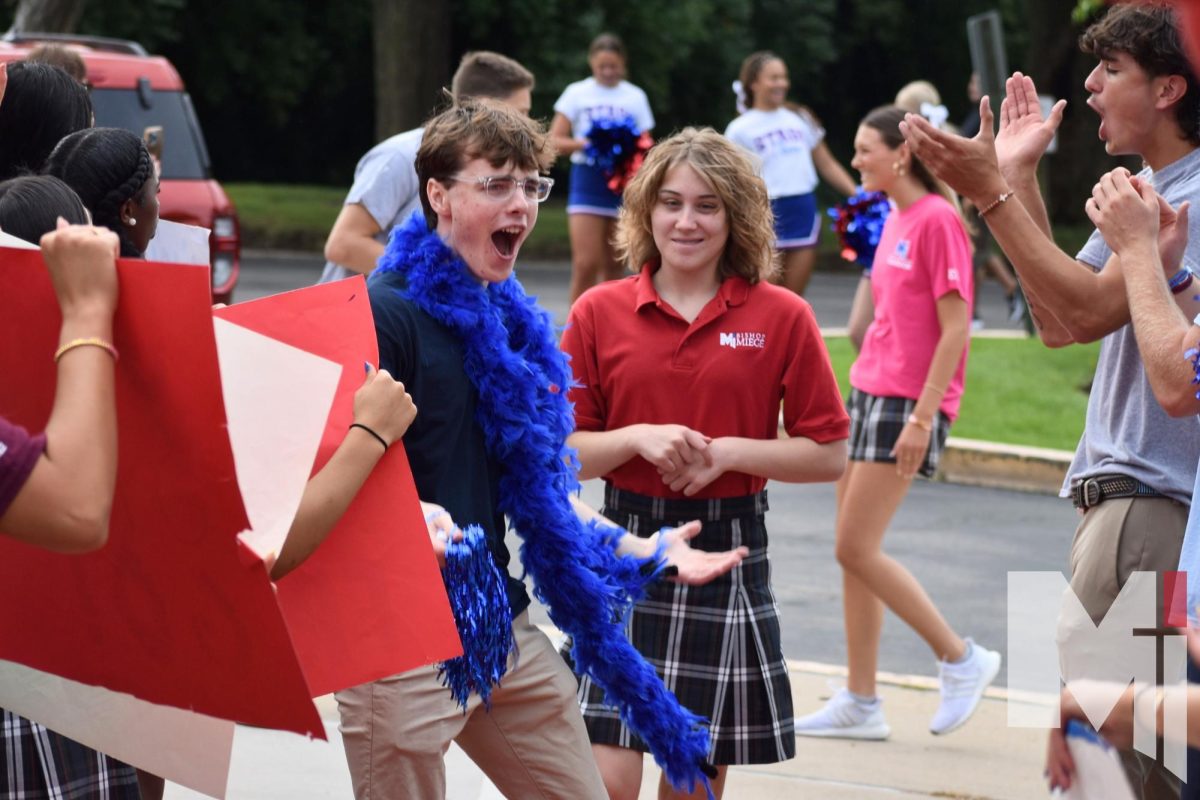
<point>1148,32</point>
<point>478,128</point>
<point>727,168</point>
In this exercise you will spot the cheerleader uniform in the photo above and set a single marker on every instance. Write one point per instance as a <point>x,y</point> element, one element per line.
<point>783,141</point>
<point>583,103</point>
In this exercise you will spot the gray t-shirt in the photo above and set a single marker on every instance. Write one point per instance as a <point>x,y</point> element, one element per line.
<point>385,184</point>
<point>1127,431</point>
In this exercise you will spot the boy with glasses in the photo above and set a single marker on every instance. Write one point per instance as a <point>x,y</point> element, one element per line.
<point>481,361</point>
<point>385,193</point>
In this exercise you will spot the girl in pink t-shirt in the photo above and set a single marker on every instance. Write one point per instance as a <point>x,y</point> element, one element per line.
<point>906,386</point>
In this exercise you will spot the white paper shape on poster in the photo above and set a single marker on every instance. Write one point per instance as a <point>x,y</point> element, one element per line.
<point>277,399</point>
<point>8,240</point>
<point>177,243</point>
<point>190,749</point>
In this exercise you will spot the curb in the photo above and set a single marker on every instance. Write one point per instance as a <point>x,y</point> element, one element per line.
<point>1004,466</point>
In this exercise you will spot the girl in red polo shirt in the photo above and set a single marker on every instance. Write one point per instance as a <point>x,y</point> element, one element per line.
<point>681,370</point>
<point>906,387</point>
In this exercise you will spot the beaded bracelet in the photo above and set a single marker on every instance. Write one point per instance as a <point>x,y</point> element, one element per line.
<point>1180,281</point>
<point>91,341</point>
<point>1003,198</point>
<point>378,438</point>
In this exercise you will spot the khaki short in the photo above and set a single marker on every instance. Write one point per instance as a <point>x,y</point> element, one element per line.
<point>532,744</point>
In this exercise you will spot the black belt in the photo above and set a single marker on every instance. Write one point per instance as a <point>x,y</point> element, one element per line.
<point>1095,490</point>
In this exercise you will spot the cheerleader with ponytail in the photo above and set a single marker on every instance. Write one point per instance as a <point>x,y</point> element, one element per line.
<point>789,143</point>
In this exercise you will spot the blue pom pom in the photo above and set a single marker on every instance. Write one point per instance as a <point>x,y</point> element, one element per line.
<point>858,222</point>
<point>483,616</point>
<point>611,142</point>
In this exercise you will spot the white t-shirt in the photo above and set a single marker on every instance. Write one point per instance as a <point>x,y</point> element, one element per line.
<point>585,101</point>
<point>783,141</point>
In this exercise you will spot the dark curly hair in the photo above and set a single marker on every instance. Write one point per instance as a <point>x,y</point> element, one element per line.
<point>1148,32</point>
<point>106,167</point>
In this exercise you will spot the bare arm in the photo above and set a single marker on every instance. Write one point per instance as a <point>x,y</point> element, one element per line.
<point>1128,213</point>
<point>1059,288</point>
<point>913,441</point>
<point>690,566</point>
<point>862,311</point>
<point>832,171</point>
<point>65,504</point>
<point>352,241</point>
<point>561,138</point>
<point>382,405</point>
<point>665,446</point>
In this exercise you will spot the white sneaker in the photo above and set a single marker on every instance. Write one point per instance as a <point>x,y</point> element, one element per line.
<point>843,717</point>
<point>962,686</point>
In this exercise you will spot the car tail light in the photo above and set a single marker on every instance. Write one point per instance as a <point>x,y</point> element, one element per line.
<point>222,269</point>
<point>224,226</point>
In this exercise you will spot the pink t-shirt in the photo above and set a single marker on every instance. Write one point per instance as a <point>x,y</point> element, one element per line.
<point>923,253</point>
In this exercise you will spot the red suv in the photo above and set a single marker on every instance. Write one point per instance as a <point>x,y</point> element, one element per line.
<point>134,90</point>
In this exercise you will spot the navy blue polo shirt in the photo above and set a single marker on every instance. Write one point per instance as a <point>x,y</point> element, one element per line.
<point>445,444</point>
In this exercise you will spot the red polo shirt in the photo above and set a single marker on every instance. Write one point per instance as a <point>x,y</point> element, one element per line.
<point>637,361</point>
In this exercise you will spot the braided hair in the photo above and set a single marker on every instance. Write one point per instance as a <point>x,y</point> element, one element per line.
<point>106,167</point>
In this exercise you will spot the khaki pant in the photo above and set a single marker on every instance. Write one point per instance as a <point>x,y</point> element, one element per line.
<point>532,744</point>
<point>1115,539</point>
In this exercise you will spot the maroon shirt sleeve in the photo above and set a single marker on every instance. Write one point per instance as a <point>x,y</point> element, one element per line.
<point>18,453</point>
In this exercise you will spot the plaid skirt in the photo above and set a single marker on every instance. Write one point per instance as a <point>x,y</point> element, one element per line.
<point>875,425</point>
<point>40,764</point>
<point>717,646</point>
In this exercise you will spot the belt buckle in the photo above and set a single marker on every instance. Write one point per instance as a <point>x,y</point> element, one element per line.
<point>1091,494</point>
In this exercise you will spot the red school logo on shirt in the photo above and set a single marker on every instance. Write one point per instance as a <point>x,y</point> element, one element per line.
<point>900,257</point>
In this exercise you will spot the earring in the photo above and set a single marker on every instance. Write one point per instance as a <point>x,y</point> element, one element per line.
<point>131,222</point>
<point>899,169</point>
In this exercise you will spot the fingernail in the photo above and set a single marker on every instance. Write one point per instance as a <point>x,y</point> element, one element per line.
<point>367,367</point>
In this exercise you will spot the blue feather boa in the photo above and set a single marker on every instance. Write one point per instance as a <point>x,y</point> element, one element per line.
<point>513,360</point>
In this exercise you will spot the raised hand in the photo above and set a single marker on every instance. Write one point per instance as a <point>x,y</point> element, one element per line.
<point>382,404</point>
<point>968,166</point>
<point>1024,133</point>
<point>81,260</point>
<point>1126,215</point>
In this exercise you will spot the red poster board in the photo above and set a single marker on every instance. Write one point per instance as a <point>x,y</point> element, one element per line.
<point>174,610</point>
<point>370,601</point>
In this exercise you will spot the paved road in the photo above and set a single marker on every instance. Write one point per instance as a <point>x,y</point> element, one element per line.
<point>960,542</point>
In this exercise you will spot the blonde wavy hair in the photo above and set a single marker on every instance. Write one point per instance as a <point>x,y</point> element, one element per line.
<point>728,169</point>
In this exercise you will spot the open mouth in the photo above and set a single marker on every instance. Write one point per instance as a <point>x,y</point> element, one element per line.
<point>505,240</point>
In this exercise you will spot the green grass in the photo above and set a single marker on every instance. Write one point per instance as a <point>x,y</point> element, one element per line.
<point>1018,391</point>
<point>286,216</point>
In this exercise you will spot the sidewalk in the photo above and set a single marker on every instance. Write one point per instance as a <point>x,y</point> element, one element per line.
<point>984,760</point>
